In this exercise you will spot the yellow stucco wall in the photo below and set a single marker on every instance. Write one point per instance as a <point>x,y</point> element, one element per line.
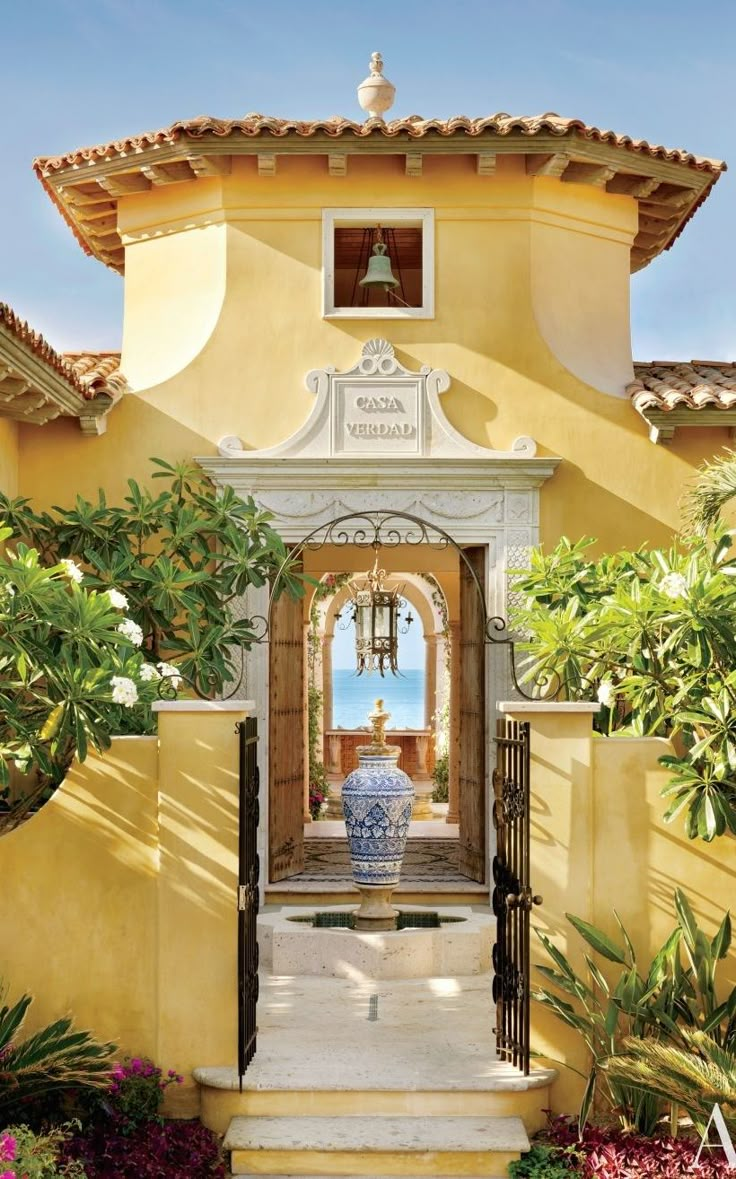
<point>78,898</point>
<point>599,841</point>
<point>117,900</point>
<point>8,457</point>
<point>223,318</point>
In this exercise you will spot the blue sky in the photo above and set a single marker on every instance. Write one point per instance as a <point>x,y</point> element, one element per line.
<point>78,72</point>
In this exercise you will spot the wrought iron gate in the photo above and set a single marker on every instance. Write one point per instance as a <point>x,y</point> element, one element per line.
<point>512,894</point>
<point>248,873</point>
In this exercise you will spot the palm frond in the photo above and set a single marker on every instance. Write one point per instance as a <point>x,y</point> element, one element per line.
<point>714,486</point>
<point>696,1077</point>
<point>55,1058</point>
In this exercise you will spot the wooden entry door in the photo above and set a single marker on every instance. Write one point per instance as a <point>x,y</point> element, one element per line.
<point>286,746</point>
<point>472,707</point>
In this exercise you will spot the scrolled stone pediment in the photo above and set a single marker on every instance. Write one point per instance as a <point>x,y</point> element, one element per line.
<point>378,409</point>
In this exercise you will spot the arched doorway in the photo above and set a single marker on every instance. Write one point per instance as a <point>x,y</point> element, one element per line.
<point>418,699</point>
<point>342,544</point>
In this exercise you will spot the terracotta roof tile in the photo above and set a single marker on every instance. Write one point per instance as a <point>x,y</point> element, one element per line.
<point>97,372</point>
<point>40,347</point>
<point>253,126</point>
<point>666,385</point>
<point>669,183</point>
<point>88,373</point>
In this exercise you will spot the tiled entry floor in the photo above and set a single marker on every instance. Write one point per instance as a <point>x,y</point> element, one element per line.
<point>425,861</point>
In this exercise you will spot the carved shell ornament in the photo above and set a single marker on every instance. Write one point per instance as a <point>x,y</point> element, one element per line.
<point>378,356</point>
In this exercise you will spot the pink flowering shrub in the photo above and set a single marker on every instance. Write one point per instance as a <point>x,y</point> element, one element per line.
<point>8,1149</point>
<point>126,1137</point>
<point>136,1092</point>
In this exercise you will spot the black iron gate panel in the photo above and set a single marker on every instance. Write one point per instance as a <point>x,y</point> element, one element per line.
<point>248,874</point>
<point>512,894</point>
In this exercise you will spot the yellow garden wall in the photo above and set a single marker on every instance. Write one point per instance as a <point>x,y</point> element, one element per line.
<point>223,319</point>
<point>8,456</point>
<point>118,899</point>
<point>599,841</point>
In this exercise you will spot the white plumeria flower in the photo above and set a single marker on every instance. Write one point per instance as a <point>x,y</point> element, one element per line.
<point>72,570</point>
<point>118,600</point>
<point>673,585</point>
<point>170,673</point>
<point>606,694</point>
<point>124,691</point>
<point>148,673</point>
<point>132,631</point>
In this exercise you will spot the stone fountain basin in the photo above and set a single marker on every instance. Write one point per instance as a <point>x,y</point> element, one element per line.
<point>461,947</point>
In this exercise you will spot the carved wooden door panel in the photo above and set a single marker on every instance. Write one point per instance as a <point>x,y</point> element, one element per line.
<point>472,706</point>
<point>286,752</point>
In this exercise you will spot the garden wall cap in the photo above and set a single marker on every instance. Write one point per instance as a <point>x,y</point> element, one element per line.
<point>669,183</point>
<point>562,707</point>
<point>204,706</point>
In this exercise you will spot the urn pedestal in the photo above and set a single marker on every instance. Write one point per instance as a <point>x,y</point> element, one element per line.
<point>377,801</point>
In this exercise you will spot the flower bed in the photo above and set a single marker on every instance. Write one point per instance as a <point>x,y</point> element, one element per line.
<point>611,1153</point>
<point>153,1150</point>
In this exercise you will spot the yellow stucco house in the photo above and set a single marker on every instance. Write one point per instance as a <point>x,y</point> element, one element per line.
<point>490,394</point>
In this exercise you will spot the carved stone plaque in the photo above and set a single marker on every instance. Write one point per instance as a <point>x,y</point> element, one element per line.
<point>377,417</point>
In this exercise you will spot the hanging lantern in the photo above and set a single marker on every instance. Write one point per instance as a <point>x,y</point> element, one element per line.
<point>376,617</point>
<point>379,273</point>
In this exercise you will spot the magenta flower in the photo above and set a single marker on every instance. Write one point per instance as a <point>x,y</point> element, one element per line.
<point>8,1175</point>
<point>8,1148</point>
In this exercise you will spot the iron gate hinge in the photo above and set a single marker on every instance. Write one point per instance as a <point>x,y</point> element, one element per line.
<point>243,891</point>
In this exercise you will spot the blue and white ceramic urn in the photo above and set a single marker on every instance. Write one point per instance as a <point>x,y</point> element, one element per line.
<point>377,800</point>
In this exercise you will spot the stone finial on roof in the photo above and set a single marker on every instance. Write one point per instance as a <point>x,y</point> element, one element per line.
<point>375,93</point>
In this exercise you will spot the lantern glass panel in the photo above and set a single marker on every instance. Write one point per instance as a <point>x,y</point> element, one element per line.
<point>363,629</point>
<point>382,628</point>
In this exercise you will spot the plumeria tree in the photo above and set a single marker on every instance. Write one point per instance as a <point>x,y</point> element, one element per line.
<point>652,635</point>
<point>99,603</point>
<point>71,673</point>
<point>183,557</point>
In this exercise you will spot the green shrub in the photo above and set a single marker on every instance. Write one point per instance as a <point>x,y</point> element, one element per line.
<point>651,635</point>
<point>673,997</point>
<point>441,776</point>
<point>542,1162</point>
<point>36,1156</point>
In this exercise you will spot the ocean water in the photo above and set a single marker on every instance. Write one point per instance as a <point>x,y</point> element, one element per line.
<point>353,698</point>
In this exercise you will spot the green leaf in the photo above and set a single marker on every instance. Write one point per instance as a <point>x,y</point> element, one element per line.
<point>587,1101</point>
<point>686,918</point>
<point>599,941</point>
<point>722,941</point>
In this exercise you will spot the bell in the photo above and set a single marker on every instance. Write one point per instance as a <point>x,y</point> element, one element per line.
<point>379,273</point>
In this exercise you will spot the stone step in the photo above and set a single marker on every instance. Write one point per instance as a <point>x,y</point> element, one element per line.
<point>505,1094</point>
<point>372,1146</point>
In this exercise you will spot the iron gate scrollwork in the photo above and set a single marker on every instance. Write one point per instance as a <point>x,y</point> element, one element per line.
<point>248,874</point>
<point>512,894</point>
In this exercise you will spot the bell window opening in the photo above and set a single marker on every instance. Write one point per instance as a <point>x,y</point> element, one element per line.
<point>378,264</point>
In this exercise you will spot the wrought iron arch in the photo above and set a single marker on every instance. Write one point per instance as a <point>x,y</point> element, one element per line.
<point>389,529</point>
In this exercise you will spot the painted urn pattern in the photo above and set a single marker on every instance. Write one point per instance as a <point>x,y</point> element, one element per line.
<point>377,800</point>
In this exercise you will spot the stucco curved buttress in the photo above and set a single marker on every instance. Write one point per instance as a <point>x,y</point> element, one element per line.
<point>175,279</point>
<point>580,280</point>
